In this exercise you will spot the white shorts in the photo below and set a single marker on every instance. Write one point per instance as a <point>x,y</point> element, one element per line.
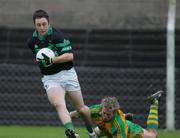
<point>67,79</point>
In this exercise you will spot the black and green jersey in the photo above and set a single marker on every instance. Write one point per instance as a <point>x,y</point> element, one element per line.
<point>56,41</point>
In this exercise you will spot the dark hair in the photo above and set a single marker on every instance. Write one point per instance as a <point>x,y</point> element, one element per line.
<point>40,14</point>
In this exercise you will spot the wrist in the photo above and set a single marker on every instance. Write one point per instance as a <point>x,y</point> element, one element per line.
<point>51,60</point>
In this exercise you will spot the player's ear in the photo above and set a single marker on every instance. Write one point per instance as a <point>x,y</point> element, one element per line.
<point>49,23</point>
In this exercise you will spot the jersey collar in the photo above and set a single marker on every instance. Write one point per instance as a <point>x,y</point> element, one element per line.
<point>49,32</point>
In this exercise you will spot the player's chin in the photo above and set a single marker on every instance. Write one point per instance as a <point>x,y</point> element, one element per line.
<point>107,119</point>
<point>42,33</point>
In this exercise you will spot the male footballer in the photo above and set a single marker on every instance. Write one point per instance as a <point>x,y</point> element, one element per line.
<point>59,76</point>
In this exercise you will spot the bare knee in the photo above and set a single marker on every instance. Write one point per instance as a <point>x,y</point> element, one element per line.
<point>59,106</point>
<point>150,133</point>
<point>83,109</point>
<point>154,134</point>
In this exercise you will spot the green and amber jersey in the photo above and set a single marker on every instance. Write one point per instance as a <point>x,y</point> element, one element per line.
<point>117,127</point>
<point>55,40</point>
<point>134,130</point>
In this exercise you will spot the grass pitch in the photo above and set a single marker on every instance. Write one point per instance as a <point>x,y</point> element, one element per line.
<point>57,132</point>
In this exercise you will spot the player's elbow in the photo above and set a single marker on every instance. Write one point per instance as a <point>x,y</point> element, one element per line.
<point>69,56</point>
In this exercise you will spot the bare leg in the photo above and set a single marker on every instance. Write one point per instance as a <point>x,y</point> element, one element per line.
<point>77,100</point>
<point>151,133</point>
<point>152,122</point>
<point>56,97</point>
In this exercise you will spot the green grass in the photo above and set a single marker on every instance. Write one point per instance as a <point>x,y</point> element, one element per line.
<point>57,132</point>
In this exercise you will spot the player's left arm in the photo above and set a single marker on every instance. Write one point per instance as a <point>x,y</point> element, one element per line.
<point>64,48</point>
<point>63,58</point>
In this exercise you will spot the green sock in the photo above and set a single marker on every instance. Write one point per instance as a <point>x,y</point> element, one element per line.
<point>152,121</point>
<point>69,125</point>
<point>89,128</point>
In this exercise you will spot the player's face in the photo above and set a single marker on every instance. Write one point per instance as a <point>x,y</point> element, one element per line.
<point>107,114</point>
<point>41,25</point>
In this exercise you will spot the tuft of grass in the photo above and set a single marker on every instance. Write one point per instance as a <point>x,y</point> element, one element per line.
<point>57,132</point>
<point>168,134</point>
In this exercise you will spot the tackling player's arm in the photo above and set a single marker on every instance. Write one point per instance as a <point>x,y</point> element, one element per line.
<point>74,114</point>
<point>128,116</point>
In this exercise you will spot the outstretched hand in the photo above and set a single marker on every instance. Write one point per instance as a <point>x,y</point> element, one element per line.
<point>129,116</point>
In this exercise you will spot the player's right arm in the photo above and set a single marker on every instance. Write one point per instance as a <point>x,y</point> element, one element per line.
<point>32,46</point>
<point>75,114</point>
<point>93,109</point>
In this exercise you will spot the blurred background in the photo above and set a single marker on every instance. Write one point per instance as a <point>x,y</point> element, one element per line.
<point>120,49</point>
